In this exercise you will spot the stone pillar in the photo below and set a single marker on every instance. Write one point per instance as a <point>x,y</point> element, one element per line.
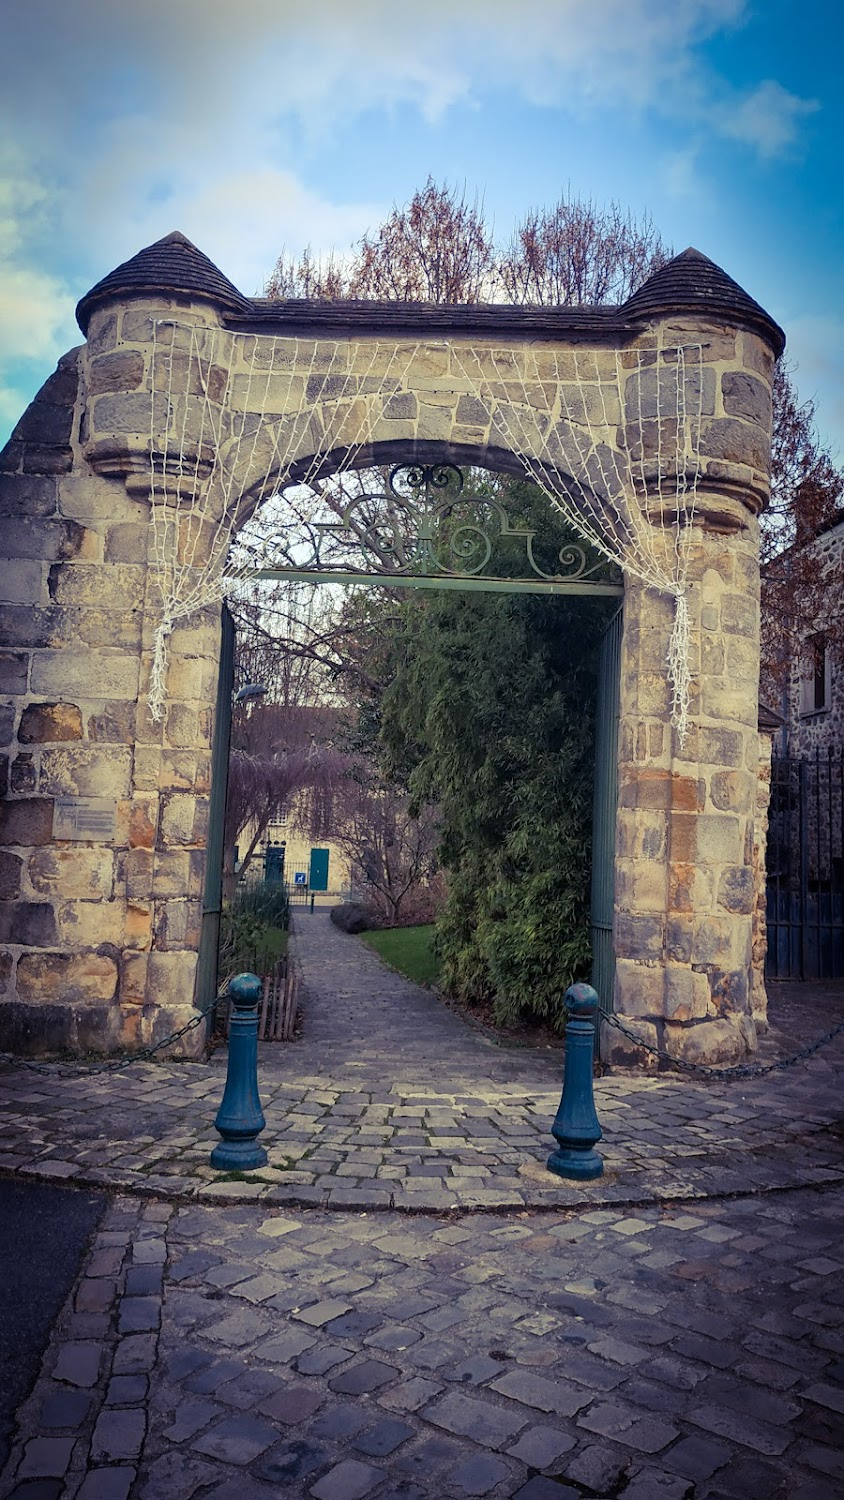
<point>98,928</point>
<point>688,815</point>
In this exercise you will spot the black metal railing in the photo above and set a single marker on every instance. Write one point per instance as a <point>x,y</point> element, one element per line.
<point>805,867</point>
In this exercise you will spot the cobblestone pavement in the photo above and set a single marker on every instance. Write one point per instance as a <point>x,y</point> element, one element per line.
<point>390,1101</point>
<point>673,1331</point>
<point>231,1353</point>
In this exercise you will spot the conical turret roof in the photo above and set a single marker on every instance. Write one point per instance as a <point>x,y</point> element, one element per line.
<point>173,264</point>
<point>691,282</point>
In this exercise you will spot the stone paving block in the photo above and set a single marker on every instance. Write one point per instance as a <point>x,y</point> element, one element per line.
<point>540,1446</point>
<point>626,1424</point>
<point>78,1364</point>
<point>320,1313</point>
<point>135,1354</point>
<point>411,1394</point>
<point>480,1474</point>
<point>281,1349</point>
<point>189,1418</point>
<point>539,1488</point>
<point>292,1404</point>
<point>211,1375</point>
<point>473,1371</point>
<point>339,1423</point>
<point>492,1426</point>
<point>739,1428</point>
<point>46,1458</point>
<point>107,1484</point>
<point>64,1409</point>
<point>697,1458</point>
<point>139,1314</point>
<point>655,1484</point>
<point>383,1439</point>
<point>127,1390</point>
<point>544,1395</point>
<point>362,1378</point>
<point>236,1440</point>
<point>349,1480</point>
<point>144,1281</point>
<point>319,1360</point>
<point>118,1435</point>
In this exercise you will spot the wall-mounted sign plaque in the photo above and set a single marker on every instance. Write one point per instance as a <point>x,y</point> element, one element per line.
<point>84,818</point>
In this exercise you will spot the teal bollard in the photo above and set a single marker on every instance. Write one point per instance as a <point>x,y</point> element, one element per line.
<point>576,1127</point>
<point>240,1118</point>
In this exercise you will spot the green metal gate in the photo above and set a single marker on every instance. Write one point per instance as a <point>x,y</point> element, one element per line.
<point>212,904</point>
<point>604,812</point>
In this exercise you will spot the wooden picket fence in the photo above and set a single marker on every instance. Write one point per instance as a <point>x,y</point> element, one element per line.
<point>279,1003</point>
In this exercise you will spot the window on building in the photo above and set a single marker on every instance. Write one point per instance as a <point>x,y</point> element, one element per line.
<point>814,680</point>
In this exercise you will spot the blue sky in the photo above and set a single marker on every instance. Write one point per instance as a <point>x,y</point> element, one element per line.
<point>275,124</point>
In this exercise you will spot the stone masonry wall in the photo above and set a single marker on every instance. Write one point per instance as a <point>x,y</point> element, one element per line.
<point>99,937</point>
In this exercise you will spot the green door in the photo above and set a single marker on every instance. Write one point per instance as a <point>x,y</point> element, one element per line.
<point>318,878</point>
<point>604,813</point>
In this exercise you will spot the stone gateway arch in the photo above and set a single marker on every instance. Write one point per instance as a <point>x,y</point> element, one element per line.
<point>122,490</point>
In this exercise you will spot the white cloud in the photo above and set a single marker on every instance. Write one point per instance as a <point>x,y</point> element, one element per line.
<point>768,118</point>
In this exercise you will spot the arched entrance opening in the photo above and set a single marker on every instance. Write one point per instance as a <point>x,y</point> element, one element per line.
<point>419,530</point>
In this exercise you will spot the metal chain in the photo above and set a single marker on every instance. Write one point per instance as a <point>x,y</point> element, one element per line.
<point>114,1065</point>
<point>742,1070</point>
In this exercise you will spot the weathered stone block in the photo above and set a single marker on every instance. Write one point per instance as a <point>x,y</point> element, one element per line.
<point>83,771</point>
<point>745,396</point>
<point>172,872</point>
<point>184,819</point>
<point>87,924</point>
<point>732,791</point>
<point>177,925</point>
<point>679,936</point>
<point>32,1030</point>
<point>708,1042</point>
<point>687,996</point>
<point>740,616</point>
<point>21,582</point>
<point>23,776</point>
<point>735,441</point>
<point>7,723</point>
<point>736,890</point>
<point>719,839</point>
<point>640,885</point>
<point>72,873</point>
<point>639,988</point>
<point>42,723</point>
<point>28,821</point>
<point>638,936</point>
<point>7,964</point>
<point>66,977</point>
<point>123,371</point>
<point>133,977</point>
<point>127,543</point>
<point>27,495</point>
<point>716,940</point>
<point>620,1052</point>
<point>30,923</point>
<point>107,585</point>
<point>83,674</point>
<point>14,670</point>
<point>400,407</point>
<point>114,724</point>
<point>127,414</point>
<point>171,981</point>
<point>11,866</point>
<point>136,871</point>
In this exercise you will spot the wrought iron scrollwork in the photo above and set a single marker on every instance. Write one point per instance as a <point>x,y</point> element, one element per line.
<point>425,523</point>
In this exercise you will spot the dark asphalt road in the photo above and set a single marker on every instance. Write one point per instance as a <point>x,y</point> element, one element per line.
<point>43,1234</point>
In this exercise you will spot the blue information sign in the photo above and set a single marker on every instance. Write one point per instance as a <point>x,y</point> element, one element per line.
<point>300,878</point>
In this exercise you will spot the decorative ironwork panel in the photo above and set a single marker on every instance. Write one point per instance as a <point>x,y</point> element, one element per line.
<point>422,526</point>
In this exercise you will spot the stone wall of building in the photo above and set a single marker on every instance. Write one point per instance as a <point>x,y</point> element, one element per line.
<point>99,935</point>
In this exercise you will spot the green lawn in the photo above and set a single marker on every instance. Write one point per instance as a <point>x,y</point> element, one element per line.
<point>408,949</point>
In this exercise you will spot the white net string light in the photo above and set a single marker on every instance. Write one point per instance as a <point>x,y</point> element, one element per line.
<point>241,409</point>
